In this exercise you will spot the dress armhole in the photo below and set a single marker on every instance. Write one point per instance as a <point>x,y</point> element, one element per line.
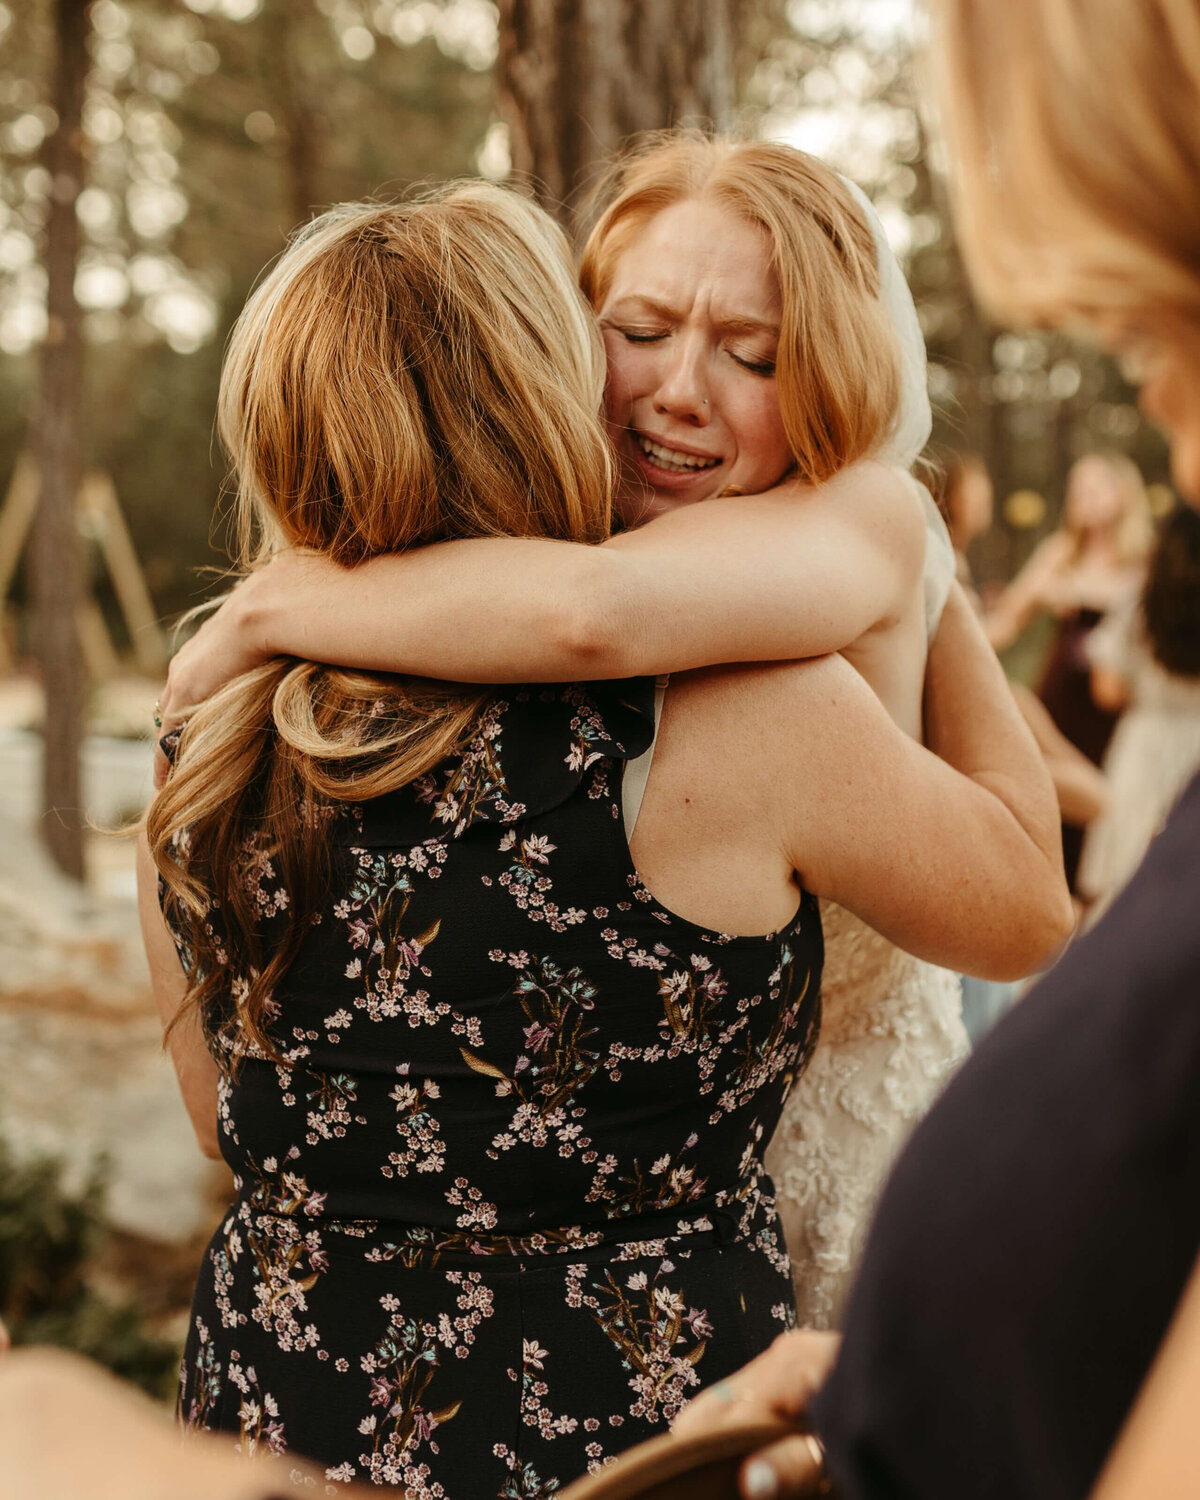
<point>637,772</point>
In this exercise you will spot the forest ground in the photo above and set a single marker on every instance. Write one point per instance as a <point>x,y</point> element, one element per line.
<point>84,1077</point>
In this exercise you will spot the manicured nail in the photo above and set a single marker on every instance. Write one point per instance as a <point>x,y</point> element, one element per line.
<point>760,1482</point>
<point>722,1391</point>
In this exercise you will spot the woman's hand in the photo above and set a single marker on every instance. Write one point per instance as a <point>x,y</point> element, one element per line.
<point>779,1383</point>
<point>1038,586</point>
<point>229,642</point>
<point>69,1428</point>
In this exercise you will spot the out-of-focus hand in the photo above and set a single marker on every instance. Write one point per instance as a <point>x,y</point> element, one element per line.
<point>779,1383</point>
<point>1059,594</point>
<point>119,1446</point>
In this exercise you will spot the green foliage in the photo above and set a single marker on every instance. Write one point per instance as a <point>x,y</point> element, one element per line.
<point>211,131</point>
<point>50,1240</point>
<point>215,126</point>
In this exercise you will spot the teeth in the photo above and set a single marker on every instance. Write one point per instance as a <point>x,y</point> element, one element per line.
<point>672,458</point>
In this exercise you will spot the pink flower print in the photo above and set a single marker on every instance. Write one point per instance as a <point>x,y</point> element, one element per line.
<point>667,1301</point>
<point>410,952</point>
<point>697,1321</point>
<point>537,1036</point>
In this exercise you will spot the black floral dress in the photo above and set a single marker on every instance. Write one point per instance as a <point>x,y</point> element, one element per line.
<point>501,1209</point>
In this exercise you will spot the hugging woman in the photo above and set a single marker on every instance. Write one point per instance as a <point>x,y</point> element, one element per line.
<point>493,1054</point>
<point>759,337</point>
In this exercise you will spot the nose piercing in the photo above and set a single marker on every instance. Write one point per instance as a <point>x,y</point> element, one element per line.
<point>704,402</point>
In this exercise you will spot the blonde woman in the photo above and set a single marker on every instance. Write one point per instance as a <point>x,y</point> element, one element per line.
<point>492,1040</point>
<point>702,405</point>
<point>1042,1228</point>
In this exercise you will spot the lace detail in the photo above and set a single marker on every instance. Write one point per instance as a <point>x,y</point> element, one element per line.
<point>891,1035</point>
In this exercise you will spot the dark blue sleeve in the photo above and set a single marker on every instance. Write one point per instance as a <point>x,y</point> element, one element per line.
<point>1039,1229</point>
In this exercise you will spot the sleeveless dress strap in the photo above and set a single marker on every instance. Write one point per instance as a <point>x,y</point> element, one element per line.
<point>637,772</point>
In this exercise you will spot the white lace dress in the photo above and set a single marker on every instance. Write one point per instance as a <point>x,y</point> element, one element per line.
<point>891,1035</point>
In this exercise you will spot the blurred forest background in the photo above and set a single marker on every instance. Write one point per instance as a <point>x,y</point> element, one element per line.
<point>212,127</point>
<point>154,156</point>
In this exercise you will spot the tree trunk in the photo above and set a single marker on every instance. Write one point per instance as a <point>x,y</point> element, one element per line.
<point>577,78</point>
<point>57,558</point>
<point>292,93</point>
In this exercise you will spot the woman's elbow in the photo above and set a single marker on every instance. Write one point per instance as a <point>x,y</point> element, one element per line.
<point>1037,935</point>
<point>588,624</point>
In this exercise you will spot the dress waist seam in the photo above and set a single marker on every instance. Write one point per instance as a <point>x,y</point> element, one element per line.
<point>726,1217</point>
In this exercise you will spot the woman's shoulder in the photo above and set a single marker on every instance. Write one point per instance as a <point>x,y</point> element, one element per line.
<point>529,751</point>
<point>768,715</point>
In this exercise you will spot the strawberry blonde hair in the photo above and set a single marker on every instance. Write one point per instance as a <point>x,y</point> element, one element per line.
<point>1074,136</point>
<point>837,372</point>
<point>405,374</point>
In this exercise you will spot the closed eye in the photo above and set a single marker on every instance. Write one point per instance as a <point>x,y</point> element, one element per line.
<point>640,336</point>
<point>763,367</point>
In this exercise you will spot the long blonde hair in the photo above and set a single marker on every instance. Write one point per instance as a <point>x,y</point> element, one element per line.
<point>1073,129</point>
<point>837,370</point>
<point>405,374</point>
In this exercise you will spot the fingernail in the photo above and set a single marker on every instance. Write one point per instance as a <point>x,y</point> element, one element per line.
<point>722,1391</point>
<point>760,1482</point>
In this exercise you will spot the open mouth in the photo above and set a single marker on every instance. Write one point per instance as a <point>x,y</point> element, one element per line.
<point>673,460</point>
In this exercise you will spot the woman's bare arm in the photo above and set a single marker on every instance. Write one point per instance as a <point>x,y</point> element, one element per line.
<point>792,573</point>
<point>1158,1452</point>
<point>953,852</point>
<point>1026,594</point>
<point>194,1066</point>
<point>1079,785</point>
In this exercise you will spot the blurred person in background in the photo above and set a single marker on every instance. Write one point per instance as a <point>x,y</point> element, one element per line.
<point>1037,1236</point>
<point>966,498</point>
<point>1145,659</point>
<point>496,1108</point>
<point>706,405</point>
<point>1078,573</point>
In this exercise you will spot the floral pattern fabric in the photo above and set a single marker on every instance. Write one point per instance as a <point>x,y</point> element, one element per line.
<point>500,1200</point>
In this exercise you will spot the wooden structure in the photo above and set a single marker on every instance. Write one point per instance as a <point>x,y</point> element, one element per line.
<point>101,522</point>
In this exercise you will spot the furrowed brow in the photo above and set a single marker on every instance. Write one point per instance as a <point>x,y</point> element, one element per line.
<point>638,302</point>
<point>749,325</point>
